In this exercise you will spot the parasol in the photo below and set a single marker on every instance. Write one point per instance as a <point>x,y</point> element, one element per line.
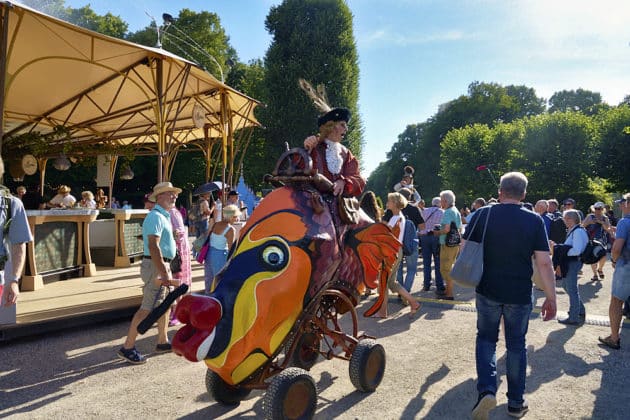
<point>208,187</point>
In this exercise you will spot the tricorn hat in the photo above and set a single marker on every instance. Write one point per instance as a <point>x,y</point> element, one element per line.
<point>337,114</point>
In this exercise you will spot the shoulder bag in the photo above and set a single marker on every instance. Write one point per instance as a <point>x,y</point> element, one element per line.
<point>468,267</point>
<point>453,237</point>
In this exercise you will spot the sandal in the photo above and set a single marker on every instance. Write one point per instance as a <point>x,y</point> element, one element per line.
<point>608,342</point>
<point>595,278</point>
<point>601,274</point>
<point>413,311</point>
<point>132,356</point>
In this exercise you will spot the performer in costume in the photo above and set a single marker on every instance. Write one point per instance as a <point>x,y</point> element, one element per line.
<point>407,182</point>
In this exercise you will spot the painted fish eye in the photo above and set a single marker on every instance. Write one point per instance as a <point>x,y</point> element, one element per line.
<point>274,256</point>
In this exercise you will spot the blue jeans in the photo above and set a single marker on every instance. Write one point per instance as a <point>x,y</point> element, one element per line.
<point>411,262</point>
<point>213,263</point>
<point>516,321</point>
<point>431,248</point>
<point>570,285</point>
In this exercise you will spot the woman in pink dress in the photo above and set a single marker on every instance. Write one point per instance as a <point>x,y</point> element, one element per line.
<point>180,232</point>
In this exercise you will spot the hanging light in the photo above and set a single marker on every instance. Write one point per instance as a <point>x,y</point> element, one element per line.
<point>61,163</point>
<point>126,173</point>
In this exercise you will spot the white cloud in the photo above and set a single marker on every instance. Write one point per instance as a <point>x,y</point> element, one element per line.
<point>389,36</point>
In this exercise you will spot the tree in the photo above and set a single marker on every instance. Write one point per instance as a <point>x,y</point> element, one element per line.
<point>614,148</point>
<point>559,154</point>
<point>580,100</point>
<point>195,36</point>
<point>312,39</point>
<point>249,79</point>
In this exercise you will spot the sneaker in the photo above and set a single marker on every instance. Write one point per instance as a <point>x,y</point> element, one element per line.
<point>163,348</point>
<point>486,402</point>
<point>518,412</point>
<point>426,288</point>
<point>132,356</point>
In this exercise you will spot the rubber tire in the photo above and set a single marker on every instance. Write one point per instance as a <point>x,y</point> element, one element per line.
<point>222,392</point>
<point>303,357</point>
<point>367,365</point>
<point>290,387</point>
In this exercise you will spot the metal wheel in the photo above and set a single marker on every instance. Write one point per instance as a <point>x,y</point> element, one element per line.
<point>367,365</point>
<point>294,162</point>
<point>223,392</point>
<point>306,351</point>
<point>292,394</point>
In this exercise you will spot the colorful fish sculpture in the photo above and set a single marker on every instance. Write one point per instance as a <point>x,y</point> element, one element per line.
<point>288,252</point>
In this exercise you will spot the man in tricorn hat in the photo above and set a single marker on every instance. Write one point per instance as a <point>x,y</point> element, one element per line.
<point>331,158</point>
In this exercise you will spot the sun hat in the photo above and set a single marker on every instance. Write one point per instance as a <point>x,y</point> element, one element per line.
<point>231,210</point>
<point>163,187</point>
<point>63,189</point>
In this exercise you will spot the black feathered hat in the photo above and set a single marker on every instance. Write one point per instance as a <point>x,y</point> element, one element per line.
<point>337,114</point>
<point>320,100</point>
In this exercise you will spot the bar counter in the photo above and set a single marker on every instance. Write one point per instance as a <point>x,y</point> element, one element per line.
<point>116,237</point>
<point>61,245</point>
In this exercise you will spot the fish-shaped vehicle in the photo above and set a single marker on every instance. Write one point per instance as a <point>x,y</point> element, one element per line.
<point>277,304</point>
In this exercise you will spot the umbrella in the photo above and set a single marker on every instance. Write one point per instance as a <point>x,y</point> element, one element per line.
<point>208,187</point>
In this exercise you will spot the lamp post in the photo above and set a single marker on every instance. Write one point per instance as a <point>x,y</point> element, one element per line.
<point>169,21</point>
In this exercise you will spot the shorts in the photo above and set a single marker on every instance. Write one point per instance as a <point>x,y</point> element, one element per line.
<point>621,282</point>
<point>152,295</point>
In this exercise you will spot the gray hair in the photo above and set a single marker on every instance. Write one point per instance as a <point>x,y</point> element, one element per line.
<point>435,202</point>
<point>448,196</point>
<point>513,185</point>
<point>573,215</point>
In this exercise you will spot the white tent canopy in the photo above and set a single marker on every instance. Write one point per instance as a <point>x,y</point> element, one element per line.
<point>106,90</point>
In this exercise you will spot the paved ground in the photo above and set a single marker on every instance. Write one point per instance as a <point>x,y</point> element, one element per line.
<point>430,371</point>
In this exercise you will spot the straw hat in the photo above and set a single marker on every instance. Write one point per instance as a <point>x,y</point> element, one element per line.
<point>63,189</point>
<point>163,187</point>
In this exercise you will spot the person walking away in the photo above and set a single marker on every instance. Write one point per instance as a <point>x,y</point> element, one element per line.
<point>159,249</point>
<point>597,226</point>
<point>447,253</point>
<point>180,233</point>
<point>575,243</point>
<point>222,237</point>
<point>620,258</point>
<point>13,239</point>
<point>395,203</point>
<point>430,245</point>
<point>512,237</point>
<point>410,262</point>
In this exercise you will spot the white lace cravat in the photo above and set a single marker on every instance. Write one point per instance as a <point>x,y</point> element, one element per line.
<point>334,159</point>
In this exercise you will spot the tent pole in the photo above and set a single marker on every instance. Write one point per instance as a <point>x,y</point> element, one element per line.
<point>160,121</point>
<point>3,65</point>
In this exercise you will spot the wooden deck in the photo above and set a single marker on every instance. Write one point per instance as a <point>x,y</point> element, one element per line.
<point>110,294</point>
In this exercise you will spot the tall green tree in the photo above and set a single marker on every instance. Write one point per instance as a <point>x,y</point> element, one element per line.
<point>195,36</point>
<point>580,100</point>
<point>312,39</point>
<point>559,153</point>
<point>614,148</point>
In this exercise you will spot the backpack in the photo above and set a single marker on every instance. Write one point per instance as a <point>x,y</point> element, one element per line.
<point>593,252</point>
<point>194,214</point>
<point>410,238</point>
<point>557,230</point>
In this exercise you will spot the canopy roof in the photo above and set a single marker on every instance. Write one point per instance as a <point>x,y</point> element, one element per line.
<point>106,90</point>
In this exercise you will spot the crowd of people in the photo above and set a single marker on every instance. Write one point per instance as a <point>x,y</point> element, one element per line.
<point>518,239</point>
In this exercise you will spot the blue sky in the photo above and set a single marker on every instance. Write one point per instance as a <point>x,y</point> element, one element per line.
<point>417,54</point>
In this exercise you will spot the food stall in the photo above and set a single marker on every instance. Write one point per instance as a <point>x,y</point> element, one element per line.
<point>61,246</point>
<point>116,237</point>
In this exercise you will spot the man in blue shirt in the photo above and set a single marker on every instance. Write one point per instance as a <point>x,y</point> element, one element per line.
<point>620,257</point>
<point>15,232</point>
<point>514,234</point>
<point>155,271</point>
